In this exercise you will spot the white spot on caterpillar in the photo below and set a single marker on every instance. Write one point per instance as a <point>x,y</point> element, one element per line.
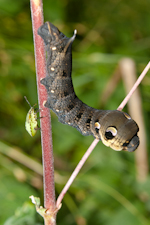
<point>52,69</point>
<point>54,48</point>
<point>52,91</point>
<point>97,125</point>
<point>127,116</point>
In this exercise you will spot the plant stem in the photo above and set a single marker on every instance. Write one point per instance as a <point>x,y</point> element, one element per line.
<point>46,136</point>
<point>76,171</point>
<point>126,99</point>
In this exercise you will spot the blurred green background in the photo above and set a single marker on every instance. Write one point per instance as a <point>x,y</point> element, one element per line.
<point>106,191</point>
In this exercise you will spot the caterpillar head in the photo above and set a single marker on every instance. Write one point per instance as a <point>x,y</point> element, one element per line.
<point>118,131</point>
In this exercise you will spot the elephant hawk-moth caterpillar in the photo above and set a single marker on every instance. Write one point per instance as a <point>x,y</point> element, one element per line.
<point>116,129</point>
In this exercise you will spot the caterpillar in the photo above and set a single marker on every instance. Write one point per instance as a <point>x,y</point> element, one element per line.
<point>114,128</point>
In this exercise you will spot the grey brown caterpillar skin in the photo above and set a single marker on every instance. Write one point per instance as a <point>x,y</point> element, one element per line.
<point>116,129</point>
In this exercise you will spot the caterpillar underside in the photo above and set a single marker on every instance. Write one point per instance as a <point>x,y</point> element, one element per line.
<point>116,129</point>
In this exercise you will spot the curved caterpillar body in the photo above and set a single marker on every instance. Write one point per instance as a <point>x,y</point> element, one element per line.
<point>116,129</point>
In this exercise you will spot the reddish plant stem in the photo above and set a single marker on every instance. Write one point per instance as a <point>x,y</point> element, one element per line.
<point>46,136</point>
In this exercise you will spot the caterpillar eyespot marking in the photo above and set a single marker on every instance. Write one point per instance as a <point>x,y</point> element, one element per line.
<point>111,132</point>
<point>31,124</point>
<point>114,128</point>
<point>97,125</point>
